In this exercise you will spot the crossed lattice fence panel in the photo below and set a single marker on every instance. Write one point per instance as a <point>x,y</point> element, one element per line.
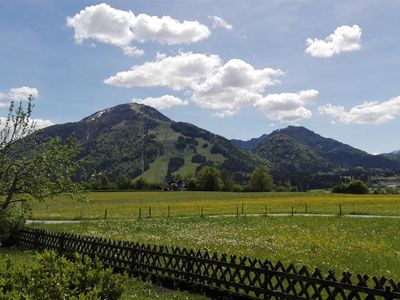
<point>240,277</point>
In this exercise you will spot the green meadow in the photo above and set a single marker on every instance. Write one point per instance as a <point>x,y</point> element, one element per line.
<point>358,245</point>
<point>215,221</point>
<point>128,205</point>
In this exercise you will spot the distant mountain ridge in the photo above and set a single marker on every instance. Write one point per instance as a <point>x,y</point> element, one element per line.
<point>304,156</point>
<point>138,141</point>
<point>249,144</point>
<point>392,155</point>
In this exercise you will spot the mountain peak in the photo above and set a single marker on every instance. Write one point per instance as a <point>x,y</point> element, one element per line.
<point>128,111</point>
<point>293,130</point>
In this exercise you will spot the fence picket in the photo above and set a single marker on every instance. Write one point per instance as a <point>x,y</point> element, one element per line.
<point>239,277</point>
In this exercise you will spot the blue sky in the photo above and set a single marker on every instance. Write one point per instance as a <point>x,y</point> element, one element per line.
<point>236,68</point>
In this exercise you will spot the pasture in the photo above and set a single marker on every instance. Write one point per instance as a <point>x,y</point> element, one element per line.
<point>128,205</point>
<point>357,245</point>
<point>243,224</point>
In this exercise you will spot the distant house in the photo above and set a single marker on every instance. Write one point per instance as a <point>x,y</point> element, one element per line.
<point>175,186</point>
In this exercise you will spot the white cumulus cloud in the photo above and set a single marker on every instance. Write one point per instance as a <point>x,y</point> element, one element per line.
<point>120,28</point>
<point>176,72</point>
<point>210,83</point>
<point>234,85</point>
<point>133,51</point>
<point>372,112</point>
<point>219,22</point>
<point>288,107</point>
<point>3,97</point>
<point>163,102</point>
<point>344,39</point>
<point>22,93</point>
<point>40,123</point>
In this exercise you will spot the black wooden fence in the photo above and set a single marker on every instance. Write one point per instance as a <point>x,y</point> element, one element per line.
<point>221,276</point>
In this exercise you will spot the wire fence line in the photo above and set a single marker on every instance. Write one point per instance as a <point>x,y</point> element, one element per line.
<point>219,276</point>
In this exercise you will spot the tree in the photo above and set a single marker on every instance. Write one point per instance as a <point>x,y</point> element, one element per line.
<point>180,144</point>
<point>124,183</point>
<point>228,182</point>
<point>354,187</point>
<point>141,184</point>
<point>31,168</point>
<point>357,187</point>
<point>260,180</point>
<point>209,179</point>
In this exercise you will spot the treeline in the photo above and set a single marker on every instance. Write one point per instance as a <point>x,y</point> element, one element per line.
<point>207,179</point>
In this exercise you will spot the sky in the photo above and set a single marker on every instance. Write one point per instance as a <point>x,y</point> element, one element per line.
<point>237,68</point>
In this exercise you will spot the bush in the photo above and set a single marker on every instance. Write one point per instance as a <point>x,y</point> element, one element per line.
<point>54,277</point>
<point>198,158</point>
<point>357,187</point>
<point>340,188</point>
<point>141,184</point>
<point>354,187</point>
<point>12,220</point>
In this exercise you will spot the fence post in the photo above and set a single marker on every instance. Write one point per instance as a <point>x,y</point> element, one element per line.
<point>93,248</point>
<point>266,296</point>
<point>340,209</point>
<point>292,211</point>
<point>187,267</point>
<point>133,269</point>
<point>105,214</point>
<point>36,239</point>
<point>149,216</point>
<point>237,211</point>
<point>242,208</point>
<point>61,244</point>
<point>140,212</point>
<point>388,295</point>
<point>169,211</point>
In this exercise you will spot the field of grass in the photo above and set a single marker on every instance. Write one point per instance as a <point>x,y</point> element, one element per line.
<point>126,205</point>
<point>359,245</point>
<point>135,289</point>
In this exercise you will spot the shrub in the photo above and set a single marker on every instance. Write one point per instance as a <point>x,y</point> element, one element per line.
<point>340,188</point>
<point>198,158</point>
<point>55,277</point>
<point>357,187</point>
<point>11,221</point>
<point>354,187</point>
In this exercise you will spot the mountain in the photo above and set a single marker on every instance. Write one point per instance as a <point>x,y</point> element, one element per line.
<point>304,157</point>
<point>335,152</point>
<point>392,155</point>
<point>137,140</point>
<point>249,144</point>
